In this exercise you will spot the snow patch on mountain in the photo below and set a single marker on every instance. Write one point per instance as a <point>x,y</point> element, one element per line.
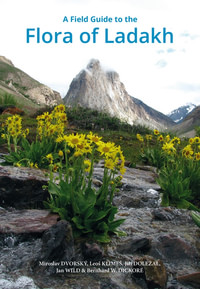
<point>178,115</point>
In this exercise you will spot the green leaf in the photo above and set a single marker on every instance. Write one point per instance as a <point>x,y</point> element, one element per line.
<point>165,200</point>
<point>53,189</point>
<point>100,215</point>
<point>78,222</point>
<point>102,238</point>
<point>102,227</point>
<point>196,218</point>
<point>113,225</point>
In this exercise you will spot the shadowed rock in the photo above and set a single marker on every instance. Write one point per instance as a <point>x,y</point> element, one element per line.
<point>22,187</point>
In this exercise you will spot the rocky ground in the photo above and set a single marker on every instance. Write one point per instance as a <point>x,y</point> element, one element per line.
<point>161,248</point>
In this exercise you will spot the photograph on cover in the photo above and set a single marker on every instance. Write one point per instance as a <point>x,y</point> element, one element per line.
<point>99,144</point>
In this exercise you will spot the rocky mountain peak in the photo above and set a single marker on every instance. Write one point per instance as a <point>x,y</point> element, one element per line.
<point>6,60</point>
<point>179,114</point>
<point>94,65</point>
<point>102,90</point>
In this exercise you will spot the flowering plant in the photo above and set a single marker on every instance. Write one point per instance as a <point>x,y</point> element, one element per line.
<point>49,127</point>
<point>71,159</point>
<point>179,168</point>
<point>72,195</point>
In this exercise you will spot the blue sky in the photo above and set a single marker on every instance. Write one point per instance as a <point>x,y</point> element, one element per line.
<point>163,76</point>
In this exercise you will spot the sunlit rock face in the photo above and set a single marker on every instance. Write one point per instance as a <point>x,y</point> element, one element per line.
<point>102,90</point>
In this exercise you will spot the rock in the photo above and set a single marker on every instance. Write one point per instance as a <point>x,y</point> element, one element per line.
<point>138,188</point>
<point>26,221</point>
<point>92,252</point>
<point>58,243</point>
<point>162,214</point>
<point>22,187</point>
<point>130,246</point>
<point>166,234</point>
<point>174,248</point>
<point>44,95</point>
<point>22,282</point>
<point>102,90</point>
<point>190,279</point>
<point>153,275</point>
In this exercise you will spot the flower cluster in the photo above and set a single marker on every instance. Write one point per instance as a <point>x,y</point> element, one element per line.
<point>52,124</point>
<point>192,150</point>
<point>86,145</point>
<point>178,164</point>
<point>13,130</point>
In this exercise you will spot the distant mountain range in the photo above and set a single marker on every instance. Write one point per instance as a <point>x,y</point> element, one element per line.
<point>186,128</point>
<point>97,89</point>
<point>179,114</point>
<point>102,90</point>
<point>26,90</point>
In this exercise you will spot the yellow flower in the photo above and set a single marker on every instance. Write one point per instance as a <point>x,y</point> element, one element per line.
<point>167,138</point>
<point>122,170</point>
<point>139,137</point>
<point>84,147</point>
<point>59,139</point>
<point>3,135</point>
<point>106,148</point>
<point>74,140</point>
<point>93,137</point>
<point>59,108</point>
<point>176,140</point>
<point>60,153</point>
<point>191,141</point>
<point>50,158</point>
<point>197,140</point>
<point>187,152</point>
<point>109,164</point>
<point>77,154</point>
<point>169,148</point>
<point>31,165</point>
<point>197,156</point>
<point>148,136</point>
<point>36,165</point>
<point>18,165</point>
<point>160,138</point>
<point>156,132</point>
<point>87,164</point>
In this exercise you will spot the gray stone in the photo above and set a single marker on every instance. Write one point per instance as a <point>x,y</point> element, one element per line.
<point>92,251</point>
<point>162,214</point>
<point>26,221</point>
<point>58,243</point>
<point>130,246</point>
<point>172,247</point>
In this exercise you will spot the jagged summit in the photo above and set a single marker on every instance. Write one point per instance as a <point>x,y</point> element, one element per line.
<point>102,90</point>
<point>94,64</point>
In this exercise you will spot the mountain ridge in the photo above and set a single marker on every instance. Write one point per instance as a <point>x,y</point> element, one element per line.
<point>23,87</point>
<point>187,127</point>
<point>95,88</point>
<point>179,114</point>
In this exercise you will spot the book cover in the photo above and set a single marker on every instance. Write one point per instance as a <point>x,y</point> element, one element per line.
<point>119,52</point>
